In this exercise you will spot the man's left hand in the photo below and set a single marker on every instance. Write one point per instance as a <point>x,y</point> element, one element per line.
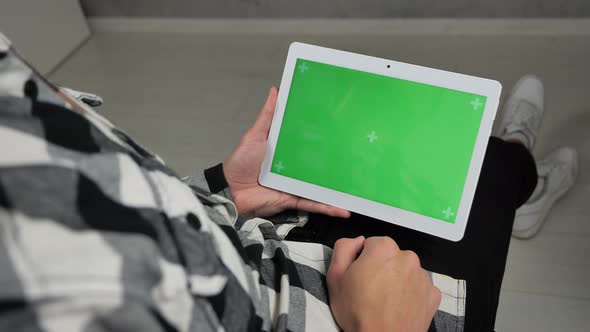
<point>243,165</point>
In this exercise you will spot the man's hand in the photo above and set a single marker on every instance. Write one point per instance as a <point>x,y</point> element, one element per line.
<point>243,165</point>
<point>384,289</point>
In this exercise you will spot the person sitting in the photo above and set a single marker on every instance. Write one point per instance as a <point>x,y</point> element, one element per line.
<point>98,234</point>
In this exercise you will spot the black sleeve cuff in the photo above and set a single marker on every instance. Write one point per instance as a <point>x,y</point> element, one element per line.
<point>216,179</point>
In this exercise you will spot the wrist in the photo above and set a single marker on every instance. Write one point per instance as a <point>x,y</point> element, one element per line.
<point>230,185</point>
<point>230,189</point>
<point>363,323</point>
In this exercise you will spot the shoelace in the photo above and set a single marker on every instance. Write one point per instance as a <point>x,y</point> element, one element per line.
<point>524,119</point>
<point>544,179</point>
<point>560,166</point>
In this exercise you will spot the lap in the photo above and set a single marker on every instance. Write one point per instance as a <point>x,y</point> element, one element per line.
<point>507,179</point>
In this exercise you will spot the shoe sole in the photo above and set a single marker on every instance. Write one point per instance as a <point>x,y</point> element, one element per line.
<point>533,230</point>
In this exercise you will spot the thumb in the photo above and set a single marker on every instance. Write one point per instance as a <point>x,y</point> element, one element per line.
<point>264,119</point>
<point>345,253</point>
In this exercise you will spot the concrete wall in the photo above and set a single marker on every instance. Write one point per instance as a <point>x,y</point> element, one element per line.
<point>338,8</point>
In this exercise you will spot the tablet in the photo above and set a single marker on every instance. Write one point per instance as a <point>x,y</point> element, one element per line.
<point>394,141</point>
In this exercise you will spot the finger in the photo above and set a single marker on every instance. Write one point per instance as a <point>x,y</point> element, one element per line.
<point>264,119</point>
<point>382,247</point>
<point>345,253</point>
<point>316,207</point>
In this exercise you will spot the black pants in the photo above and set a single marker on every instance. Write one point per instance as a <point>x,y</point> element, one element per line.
<point>507,180</point>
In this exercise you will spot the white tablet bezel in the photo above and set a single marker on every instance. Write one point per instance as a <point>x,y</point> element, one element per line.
<point>484,87</point>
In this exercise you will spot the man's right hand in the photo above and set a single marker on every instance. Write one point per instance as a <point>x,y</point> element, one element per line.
<point>382,289</point>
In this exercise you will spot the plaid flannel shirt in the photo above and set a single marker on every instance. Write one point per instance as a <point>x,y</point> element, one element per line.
<point>97,234</point>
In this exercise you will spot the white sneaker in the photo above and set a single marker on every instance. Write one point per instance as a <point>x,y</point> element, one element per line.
<point>523,112</point>
<point>557,173</point>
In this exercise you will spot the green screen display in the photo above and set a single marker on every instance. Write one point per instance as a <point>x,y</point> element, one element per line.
<point>397,142</point>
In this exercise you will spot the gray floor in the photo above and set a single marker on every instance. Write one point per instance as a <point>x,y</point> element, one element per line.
<point>190,98</point>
